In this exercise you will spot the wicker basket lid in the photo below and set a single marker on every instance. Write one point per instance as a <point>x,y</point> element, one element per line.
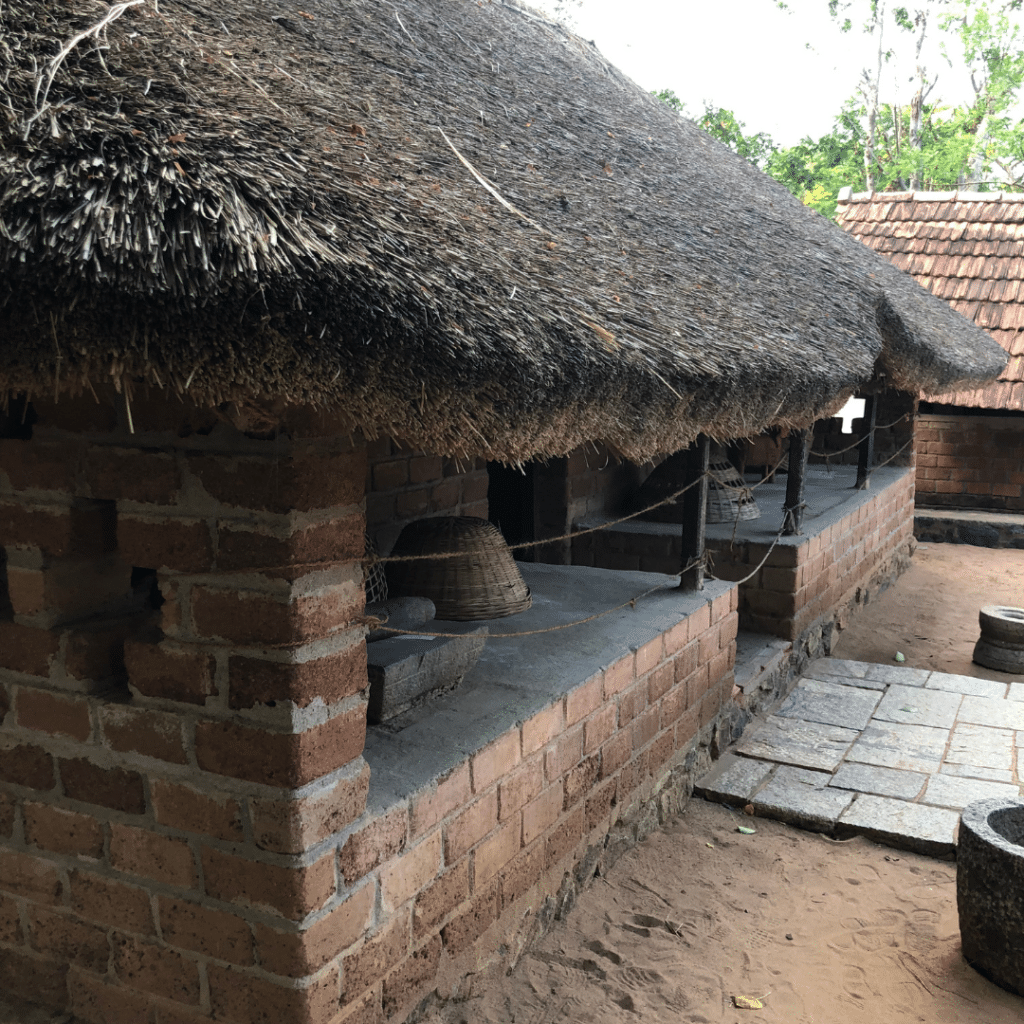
<point>481,582</point>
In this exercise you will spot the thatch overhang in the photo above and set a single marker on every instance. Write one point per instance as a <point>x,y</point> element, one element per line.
<point>246,202</point>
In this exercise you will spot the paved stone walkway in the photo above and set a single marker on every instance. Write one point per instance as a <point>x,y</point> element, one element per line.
<point>889,752</point>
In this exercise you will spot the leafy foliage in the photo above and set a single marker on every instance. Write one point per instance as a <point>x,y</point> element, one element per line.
<point>889,147</point>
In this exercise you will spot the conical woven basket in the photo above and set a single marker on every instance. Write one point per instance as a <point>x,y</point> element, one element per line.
<point>481,581</point>
<point>729,498</point>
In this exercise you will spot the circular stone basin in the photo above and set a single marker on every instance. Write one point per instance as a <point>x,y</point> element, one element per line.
<point>1001,644</point>
<point>990,890</point>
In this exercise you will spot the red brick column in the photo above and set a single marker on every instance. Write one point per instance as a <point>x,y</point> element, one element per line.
<point>176,755</point>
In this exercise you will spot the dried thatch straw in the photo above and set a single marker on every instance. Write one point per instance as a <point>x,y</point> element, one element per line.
<point>455,221</point>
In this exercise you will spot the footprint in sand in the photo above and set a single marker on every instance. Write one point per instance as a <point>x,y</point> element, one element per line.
<point>598,947</point>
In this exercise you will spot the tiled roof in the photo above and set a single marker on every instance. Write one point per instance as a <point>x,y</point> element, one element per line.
<point>965,247</point>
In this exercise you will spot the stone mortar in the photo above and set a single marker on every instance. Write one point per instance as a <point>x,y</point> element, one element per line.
<point>990,890</point>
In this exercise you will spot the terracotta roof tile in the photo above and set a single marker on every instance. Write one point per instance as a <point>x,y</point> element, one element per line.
<point>1014,316</point>
<point>976,289</point>
<point>990,315</point>
<point>967,250</point>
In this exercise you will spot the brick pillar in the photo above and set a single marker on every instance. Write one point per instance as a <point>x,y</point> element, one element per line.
<point>176,756</point>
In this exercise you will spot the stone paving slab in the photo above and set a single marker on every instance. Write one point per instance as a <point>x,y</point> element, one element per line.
<point>839,680</point>
<point>734,779</point>
<point>1001,714</point>
<point>967,685</point>
<point>919,706</point>
<point>869,778</point>
<point>949,791</point>
<point>889,752</point>
<point>928,830</point>
<point>830,703</point>
<point>802,797</point>
<point>804,744</point>
<point>917,748</point>
<point>980,746</point>
<point>968,771</point>
<point>898,674</point>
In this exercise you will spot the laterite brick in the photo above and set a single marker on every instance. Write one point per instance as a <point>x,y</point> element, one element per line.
<point>296,954</point>
<point>62,831</point>
<point>206,812</point>
<point>332,678</point>
<point>116,788</point>
<point>156,969</point>
<point>281,759</point>
<point>291,892</point>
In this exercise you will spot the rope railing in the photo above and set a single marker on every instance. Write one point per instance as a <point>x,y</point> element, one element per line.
<point>705,562</point>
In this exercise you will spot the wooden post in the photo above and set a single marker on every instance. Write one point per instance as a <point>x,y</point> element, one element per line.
<point>799,448</point>
<point>695,504</point>
<point>866,445</point>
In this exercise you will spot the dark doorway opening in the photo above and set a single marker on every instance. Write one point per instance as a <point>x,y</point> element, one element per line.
<point>510,501</point>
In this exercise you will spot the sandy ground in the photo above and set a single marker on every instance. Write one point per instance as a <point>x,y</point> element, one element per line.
<point>822,931</point>
<point>931,613</point>
<point>826,932</point>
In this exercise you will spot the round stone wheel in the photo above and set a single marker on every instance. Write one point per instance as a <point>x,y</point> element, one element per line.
<point>1002,657</point>
<point>999,622</point>
<point>990,890</point>
<point>1001,645</point>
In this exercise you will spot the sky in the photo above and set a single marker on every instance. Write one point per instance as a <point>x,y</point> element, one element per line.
<point>748,56</point>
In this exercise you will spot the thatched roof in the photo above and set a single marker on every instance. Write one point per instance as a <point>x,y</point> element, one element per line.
<point>966,248</point>
<point>252,203</point>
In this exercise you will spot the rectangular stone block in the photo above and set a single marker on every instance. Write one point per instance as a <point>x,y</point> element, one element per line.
<point>980,747</point>
<point>927,830</point>
<point>919,706</point>
<point>968,685</point>
<point>804,744</point>
<point>803,798</point>
<point>957,793</point>
<point>734,779</point>
<point>406,670</point>
<point>868,778</point>
<point>894,745</point>
<point>998,714</point>
<point>830,703</point>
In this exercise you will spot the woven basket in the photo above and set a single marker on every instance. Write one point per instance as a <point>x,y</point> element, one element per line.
<point>481,582</point>
<point>729,499</point>
<point>374,581</point>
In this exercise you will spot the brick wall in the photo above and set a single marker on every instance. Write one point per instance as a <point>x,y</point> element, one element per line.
<point>404,485</point>
<point>969,461</point>
<point>454,867</point>
<point>182,715</point>
<point>183,825</point>
<point>598,482</point>
<point>801,582</point>
<point>819,577</point>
